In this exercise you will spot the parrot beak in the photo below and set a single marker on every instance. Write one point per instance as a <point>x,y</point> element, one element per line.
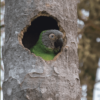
<point>58,43</point>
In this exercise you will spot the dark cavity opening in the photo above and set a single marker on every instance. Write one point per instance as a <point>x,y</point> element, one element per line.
<point>37,26</point>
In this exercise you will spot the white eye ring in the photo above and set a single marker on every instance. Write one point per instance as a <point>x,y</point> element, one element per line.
<point>52,36</point>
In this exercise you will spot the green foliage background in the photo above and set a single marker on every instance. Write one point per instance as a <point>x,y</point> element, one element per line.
<point>89,48</point>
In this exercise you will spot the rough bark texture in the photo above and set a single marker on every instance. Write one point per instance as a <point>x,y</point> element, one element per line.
<point>28,77</point>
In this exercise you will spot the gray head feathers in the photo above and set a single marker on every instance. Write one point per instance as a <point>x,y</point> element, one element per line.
<point>52,39</point>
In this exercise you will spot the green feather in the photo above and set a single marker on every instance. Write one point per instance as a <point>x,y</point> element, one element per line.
<point>40,50</point>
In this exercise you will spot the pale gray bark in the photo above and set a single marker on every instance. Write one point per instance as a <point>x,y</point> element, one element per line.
<point>28,77</point>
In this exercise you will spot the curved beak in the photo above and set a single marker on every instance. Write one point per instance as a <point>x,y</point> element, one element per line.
<point>58,43</point>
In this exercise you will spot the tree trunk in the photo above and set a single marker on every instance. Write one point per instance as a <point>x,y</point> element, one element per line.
<point>27,76</point>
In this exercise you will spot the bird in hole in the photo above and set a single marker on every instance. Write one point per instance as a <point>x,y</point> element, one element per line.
<point>48,45</point>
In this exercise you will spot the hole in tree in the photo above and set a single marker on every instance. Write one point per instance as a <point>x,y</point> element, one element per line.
<point>37,26</point>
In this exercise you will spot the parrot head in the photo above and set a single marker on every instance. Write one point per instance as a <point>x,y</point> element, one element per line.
<point>53,39</point>
<point>49,44</point>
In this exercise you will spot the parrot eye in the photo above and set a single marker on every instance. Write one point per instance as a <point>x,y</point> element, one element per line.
<point>52,36</point>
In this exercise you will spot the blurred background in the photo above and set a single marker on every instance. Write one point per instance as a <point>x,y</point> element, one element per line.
<point>88,12</point>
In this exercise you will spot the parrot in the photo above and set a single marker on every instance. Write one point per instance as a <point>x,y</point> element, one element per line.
<point>49,44</point>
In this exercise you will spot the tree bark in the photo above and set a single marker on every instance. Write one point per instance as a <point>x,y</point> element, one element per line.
<point>28,77</point>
